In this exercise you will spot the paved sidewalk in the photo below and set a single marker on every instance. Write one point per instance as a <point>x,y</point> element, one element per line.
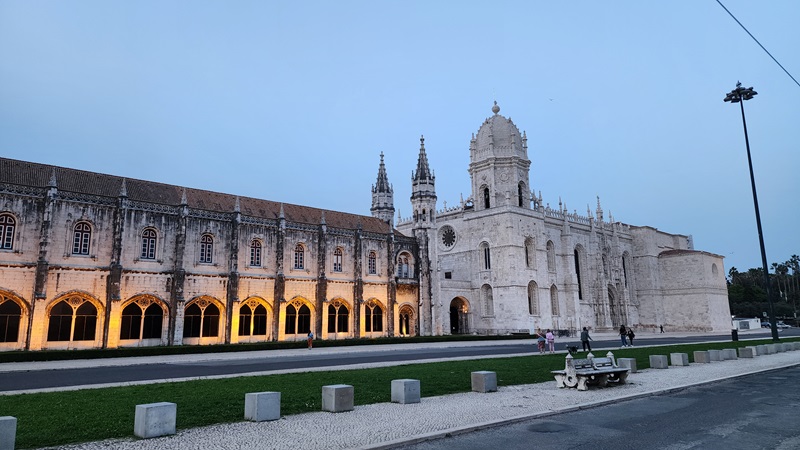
<point>389,425</point>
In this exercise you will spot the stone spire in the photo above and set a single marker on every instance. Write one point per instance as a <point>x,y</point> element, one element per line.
<point>52,182</point>
<point>383,197</point>
<point>599,210</point>
<point>123,189</point>
<point>423,172</point>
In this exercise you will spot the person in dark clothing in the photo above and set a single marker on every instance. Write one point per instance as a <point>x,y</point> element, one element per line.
<point>623,335</point>
<point>661,327</point>
<point>631,335</point>
<point>585,338</point>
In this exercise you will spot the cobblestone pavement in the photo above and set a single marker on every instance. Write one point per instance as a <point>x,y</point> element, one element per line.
<point>391,425</point>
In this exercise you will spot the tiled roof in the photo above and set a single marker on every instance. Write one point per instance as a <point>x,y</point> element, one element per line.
<point>72,180</point>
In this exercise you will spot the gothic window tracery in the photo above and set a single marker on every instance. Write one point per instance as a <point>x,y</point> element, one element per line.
<point>487,257</point>
<point>149,239</point>
<point>201,319</point>
<point>338,317</point>
<point>80,238</point>
<point>72,319</point>
<point>551,256</point>
<point>530,253</point>
<point>404,266</point>
<point>253,318</point>
<point>206,249</point>
<point>7,225</point>
<point>337,260</point>
<point>10,317</point>
<point>299,257</point>
<point>141,319</point>
<point>373,317</point>
<point>255,253</point>
<point>487,298</point>
<point>372,263</point>
<point>554,300</point>
<point>533,299</point>
<point>298,318</point>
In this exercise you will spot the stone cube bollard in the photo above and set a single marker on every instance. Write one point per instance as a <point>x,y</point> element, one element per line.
<point>702,356</point>
<point>679,359</point>
<point>8,432</point>
<point>787,347</point>
<point>729,353</point>
<point>715,355</point>
<point>629,363</point>
<point>762,349</point>
<point>747,352</point>
<point>771,349</point>
<point>262,406</point>
<point>796,345</point>
<point>155,419</point>
<point>337,398</point>
<point>658,362</point>
<point>484,381</point>
<point>778,347</point>
<point>405,391</point>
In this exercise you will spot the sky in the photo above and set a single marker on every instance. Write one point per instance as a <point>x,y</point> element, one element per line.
<point>294,101</point>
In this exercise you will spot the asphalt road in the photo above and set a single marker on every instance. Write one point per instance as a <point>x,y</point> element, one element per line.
<point>40,379</point>
<point>752,412</point>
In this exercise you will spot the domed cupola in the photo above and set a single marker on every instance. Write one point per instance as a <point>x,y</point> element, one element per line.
<point>499,164</point>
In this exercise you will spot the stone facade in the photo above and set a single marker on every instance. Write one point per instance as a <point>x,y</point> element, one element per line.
<point>89,260</point>
<point>96,261</point>
<point>502,261</point>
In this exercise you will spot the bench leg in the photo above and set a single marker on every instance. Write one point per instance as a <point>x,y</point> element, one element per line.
<point>582,383</point>
<point>560,381</point>
<point>622,377</point>
<point>602,380</point>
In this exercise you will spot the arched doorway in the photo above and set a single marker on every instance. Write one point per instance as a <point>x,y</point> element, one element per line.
<point>615,308</point>
<point>458,316</point>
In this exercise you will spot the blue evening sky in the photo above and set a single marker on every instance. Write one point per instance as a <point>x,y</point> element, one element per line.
<point>294,101</point>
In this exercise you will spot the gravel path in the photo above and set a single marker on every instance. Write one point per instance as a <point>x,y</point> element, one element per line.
<point>388,425</point>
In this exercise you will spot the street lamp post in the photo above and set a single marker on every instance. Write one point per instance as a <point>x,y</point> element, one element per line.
<point>739,95</point>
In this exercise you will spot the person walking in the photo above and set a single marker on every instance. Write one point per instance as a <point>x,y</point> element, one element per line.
<point>310,340</point>
<point>551,341</point>
<point>661,327</point>
<point>623,335</point>
<point>585,338</point>
<point>540,341</point>
<point>631,335</point>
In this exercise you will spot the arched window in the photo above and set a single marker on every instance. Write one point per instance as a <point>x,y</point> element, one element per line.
<point>72,320</point>
<point>372,263</point>
<point>253,321</point>
<point>81,238</point>
<point>7,224</point>
<point>255,253</point>
<point>201,319</point>
<point>533,299</point>
<point>487,257</point>
<point>551,256</point>
<point>519,195</point>
<point>338,317</point>
<point>530,253</point>
<point>487,299</point>
<point>148,244</point>
<point>298,319</point>
<point>299,257</point>
<point>10,316</point>
<point>554,300</point>
<point>625,257</point>
<point>405,321</point>
<point>373,317</point>
<point>206,249</point>
<point>486,197</point>
<point>424,215</point>
<point>577,256</point>
<point>403,266</point>
<point>337,260</point>
<point>141,324</point>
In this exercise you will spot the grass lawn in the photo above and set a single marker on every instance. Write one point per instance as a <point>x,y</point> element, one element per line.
<point>58,418</point>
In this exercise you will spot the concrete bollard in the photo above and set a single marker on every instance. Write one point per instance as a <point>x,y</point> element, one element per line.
<point>746,352</point>
<point>658,362</point>
<point>629,363</point>
<point>405,391</point>
<point>337,398</point>
<point>155,419</point>
<point>729,353</point>
<point>778,347</point>
<point>762,349</point>
<point>262,406</point>
<point>702,356</point>
<point>484,381</point>
<point>715,355</point>
<point>8,432</point>
<point>679,359</point>
<point>771,350</point>
<point>796,345</point>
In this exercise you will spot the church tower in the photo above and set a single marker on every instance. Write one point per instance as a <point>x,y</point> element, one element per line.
<point>423,200</point>
<point>499,165</point>
<point>423,191</point>
<point>383,197</point>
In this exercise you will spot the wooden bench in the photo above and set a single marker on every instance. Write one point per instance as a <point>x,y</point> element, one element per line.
<point>582,373</point>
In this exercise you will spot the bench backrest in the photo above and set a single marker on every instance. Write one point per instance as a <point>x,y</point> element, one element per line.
<point>603,362</point>
<point>582,363</point>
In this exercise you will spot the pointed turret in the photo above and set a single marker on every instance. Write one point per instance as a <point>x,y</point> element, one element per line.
<point>383,197</point>
<point>423,190</point>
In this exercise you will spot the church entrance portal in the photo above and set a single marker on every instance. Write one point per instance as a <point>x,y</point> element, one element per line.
<point>458,316</point>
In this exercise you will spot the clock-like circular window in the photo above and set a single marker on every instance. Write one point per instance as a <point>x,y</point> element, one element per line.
<point>448,236</point>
